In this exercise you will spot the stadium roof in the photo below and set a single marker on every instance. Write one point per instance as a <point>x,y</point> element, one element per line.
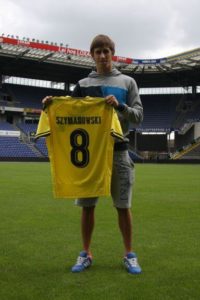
<point>34,59</point>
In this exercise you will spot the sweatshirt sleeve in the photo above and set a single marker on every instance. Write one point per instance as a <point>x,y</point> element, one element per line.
<point>77,91</point>
<point>132,111</point>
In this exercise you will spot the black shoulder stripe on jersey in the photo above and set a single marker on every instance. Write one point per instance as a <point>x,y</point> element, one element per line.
<point>115,134</point>
<point>43,134</point>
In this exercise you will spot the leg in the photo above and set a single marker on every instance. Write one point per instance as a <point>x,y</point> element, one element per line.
<point>84,259</point>
<point>87,219</point>
<point>121,188</point>
<point>87,226</point>
<point>125,225</point>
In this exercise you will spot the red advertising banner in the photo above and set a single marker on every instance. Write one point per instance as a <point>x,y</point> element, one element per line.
<point>55,48</point>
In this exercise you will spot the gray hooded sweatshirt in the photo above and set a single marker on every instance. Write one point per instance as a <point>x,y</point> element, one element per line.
<point>123,87</point>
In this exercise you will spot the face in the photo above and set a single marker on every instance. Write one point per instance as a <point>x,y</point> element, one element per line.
<point>103,59</point>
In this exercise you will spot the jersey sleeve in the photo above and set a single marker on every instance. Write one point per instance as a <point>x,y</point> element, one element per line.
<point>116,129</point>
<point>43,128</point>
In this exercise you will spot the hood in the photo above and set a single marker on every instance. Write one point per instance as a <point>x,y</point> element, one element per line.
<point>114,72</point>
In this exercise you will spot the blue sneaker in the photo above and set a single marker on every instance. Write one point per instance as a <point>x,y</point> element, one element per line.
<point>83,261</point>
<point>131,263</point>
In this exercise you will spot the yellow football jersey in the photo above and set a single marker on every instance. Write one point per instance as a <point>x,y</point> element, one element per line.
<point>80,138</point>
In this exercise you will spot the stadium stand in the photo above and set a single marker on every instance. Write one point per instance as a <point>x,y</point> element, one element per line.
<point>27,128</point>
<point>6,126</point>
<point>177,113</point>
<point>13,147</point>
<point>190,151</point>
<point>187,110</point>
<point>28,96</point>
<point>40,144</point>
<point>159,112</point>
<point>30,129</point>
<point>162,113</point>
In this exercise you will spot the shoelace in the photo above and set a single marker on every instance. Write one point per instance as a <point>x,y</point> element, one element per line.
<point>133,262</point>
<point>80,260</point>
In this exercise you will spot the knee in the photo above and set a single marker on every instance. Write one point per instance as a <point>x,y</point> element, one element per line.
<point>88,210</point>
<point>123,211</point>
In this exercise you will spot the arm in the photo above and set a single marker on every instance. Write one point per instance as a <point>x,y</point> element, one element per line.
<point>46,101</point>
<point>132,111</point>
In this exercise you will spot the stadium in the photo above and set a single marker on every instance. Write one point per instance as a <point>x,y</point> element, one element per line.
<point>169,89</point>
<point>40,236</point>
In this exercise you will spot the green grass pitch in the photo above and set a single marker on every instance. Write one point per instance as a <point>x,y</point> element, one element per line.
<point>40,238</point>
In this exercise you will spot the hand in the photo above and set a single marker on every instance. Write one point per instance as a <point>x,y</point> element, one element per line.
<point>47,100</point>
<point>111,100</point>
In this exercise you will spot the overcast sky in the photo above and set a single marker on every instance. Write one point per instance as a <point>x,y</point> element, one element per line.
<point>141,29</point>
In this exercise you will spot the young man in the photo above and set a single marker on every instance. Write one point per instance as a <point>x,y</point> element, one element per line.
<point>121,92</point>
